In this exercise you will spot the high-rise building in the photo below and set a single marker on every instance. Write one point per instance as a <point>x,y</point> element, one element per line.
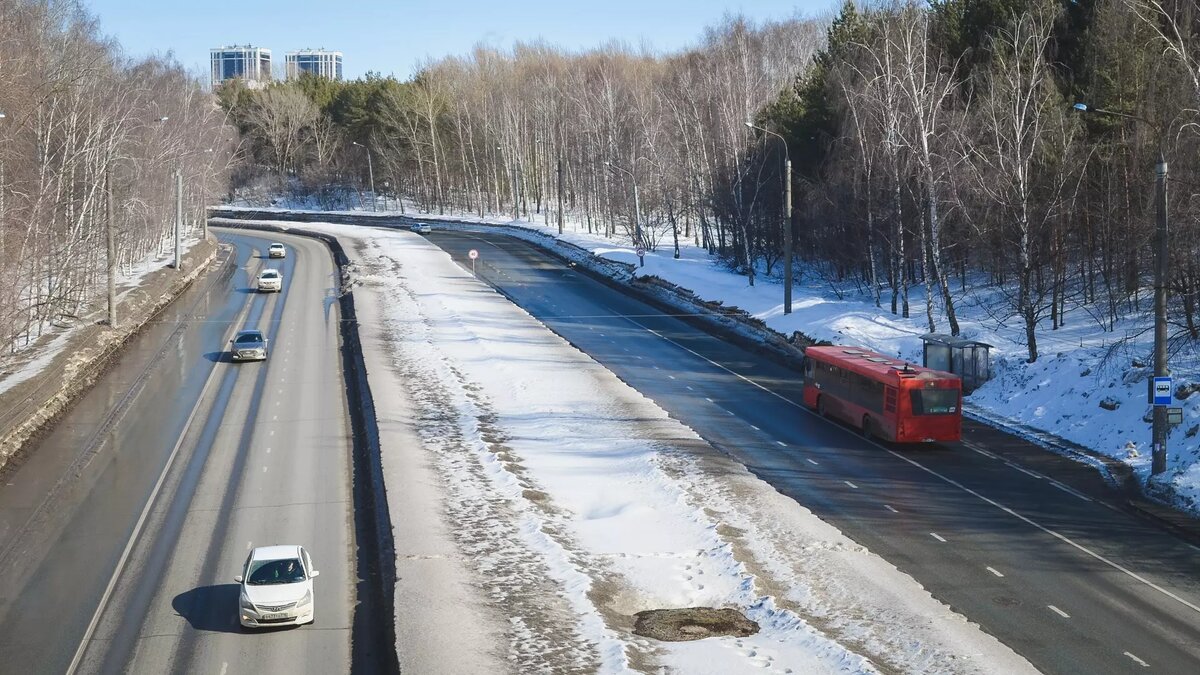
<point>249,64</point>
<point>315,61</point>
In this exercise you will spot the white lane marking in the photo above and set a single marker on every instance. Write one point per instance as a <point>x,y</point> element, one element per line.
<point>850,484</point>
<point>274,417</point>
<point>654,366</point>
<point>689,387</point>
<point>141,522</point>
<point>935,474</point>
<point>268,451</point>
<point>1070,491</point>
<point>729,413</point>
<point>755,428</point>
<point>781,444</point>
<point>624,349</point>
<point>671,376</point>
<point>813,462</point>
<point>709,399</point>
<point>937,536</point>
<point>264,469</point>
<point>280,391</point>
<point>602,335</point>
<point>1137,660</point>
<point>995,571</point>
<point>224,667</point>
<point>1058,611</point>
<point>249,545</point>
<point>889,508</point>
<point>639,358</point>
<point>980,450</point>
<point>1025,471</point>
<point>271,432</point>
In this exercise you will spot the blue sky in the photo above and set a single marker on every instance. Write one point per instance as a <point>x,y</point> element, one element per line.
<point>390,36</point>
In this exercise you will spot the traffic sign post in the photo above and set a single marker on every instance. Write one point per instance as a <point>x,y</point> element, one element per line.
<point>473,254</point>
<point>1162,391</point>
<point>641,254</point>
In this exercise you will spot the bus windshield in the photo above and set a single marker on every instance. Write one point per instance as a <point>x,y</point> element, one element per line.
<point>934,401</point>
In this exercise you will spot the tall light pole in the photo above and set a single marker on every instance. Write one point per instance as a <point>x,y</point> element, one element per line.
<point>178,207</point>
<point>370,173</point>
<point>637,211</point>
<point>787,219</point>
<point>674,228</point>
<point>1158,459</point>
<point>560,193</point>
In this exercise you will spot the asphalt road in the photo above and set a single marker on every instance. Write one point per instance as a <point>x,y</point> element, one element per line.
<point>1052,566</point>
<point>121,534</point>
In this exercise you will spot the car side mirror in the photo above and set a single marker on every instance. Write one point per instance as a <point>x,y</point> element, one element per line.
<point>238,578</point>
<point>315,574</point>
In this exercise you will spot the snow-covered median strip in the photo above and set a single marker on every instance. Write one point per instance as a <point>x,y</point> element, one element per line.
<point>567,502</point>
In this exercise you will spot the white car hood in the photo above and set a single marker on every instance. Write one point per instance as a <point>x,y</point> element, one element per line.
<point>276,594</point>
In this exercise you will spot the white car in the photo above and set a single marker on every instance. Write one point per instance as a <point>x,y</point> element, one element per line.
<point>277,587</point>
<point>276,250</point>
<point>270,280</point>
<point>421,228</point>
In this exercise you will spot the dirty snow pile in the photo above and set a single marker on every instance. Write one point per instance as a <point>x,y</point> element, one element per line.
<point>571,502</point>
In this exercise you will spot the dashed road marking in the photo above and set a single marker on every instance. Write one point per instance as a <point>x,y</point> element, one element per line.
<point>755,428</point>
<point>689,387</point>
<point>995,571</point>
<point>889,508</point>
<point>264,469</point>
<point>1137,660</point>
<point>709,399</point>
<point>1058,611</point>
<point>813,461</point>
<point>937,536</point>
<point>1026,471</point>
<point>781,444</point>
<point>850,484</point>
<point>1071,491</point>
<point>271,432</point>
<point>224,667</point>
<point>943,477</point>
<point>729,413</point>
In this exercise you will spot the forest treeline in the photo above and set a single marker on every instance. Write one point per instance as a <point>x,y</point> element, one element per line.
<point>935,145</point>
<point>79,117</point>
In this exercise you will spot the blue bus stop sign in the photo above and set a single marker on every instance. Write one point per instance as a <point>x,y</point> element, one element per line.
<point>1162,391</point>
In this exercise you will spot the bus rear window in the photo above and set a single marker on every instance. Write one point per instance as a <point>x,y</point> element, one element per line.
<point>934,401</point>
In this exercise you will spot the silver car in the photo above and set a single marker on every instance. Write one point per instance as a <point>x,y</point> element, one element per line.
<point>249,345</point>
<point>421,228</point>
<point>270,280</point>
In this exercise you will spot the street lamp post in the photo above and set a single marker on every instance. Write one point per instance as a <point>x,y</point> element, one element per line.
<point>1158,459</point>
<point>787,225</point>
<point>674,228</point>
<point>370,173</point>
<point>637,211</point>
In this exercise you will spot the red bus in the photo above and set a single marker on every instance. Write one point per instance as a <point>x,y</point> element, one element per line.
<point>887,398</point>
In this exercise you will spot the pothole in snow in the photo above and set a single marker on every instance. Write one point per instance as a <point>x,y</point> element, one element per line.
<point>693,623</point>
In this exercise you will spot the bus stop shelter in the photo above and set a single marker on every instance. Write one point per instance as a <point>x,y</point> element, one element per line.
<point>969,359</point>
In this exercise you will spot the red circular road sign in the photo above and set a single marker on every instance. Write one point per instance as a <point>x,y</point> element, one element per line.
<point>473,254</point>
<point>641,251</point>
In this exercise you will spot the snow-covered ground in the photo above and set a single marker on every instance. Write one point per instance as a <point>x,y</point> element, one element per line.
<point>1081,364</point>
<point>566,502</point>
<point>28,360</point>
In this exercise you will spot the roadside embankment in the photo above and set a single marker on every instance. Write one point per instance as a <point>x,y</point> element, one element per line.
<point>83,355</point>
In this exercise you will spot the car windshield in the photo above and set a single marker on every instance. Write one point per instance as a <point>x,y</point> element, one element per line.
<point>270,275</point>
<point>245,338</point>
<point>276,245</point>
<point>267,572</point>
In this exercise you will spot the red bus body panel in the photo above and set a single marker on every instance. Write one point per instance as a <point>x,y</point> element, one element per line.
<point>863,388</point>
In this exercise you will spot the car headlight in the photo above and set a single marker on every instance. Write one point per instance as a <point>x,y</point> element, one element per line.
<point>246,604</point>
<point>306,600</point>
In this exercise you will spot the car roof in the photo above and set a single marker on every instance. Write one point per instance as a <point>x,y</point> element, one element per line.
<point>256,331</point>
<point>275,243</point>
<point>277,552</point>
<point>268,271</point>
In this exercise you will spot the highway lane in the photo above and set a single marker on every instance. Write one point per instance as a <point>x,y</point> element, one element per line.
<point>1051,567</point>
<point>235,454</point>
